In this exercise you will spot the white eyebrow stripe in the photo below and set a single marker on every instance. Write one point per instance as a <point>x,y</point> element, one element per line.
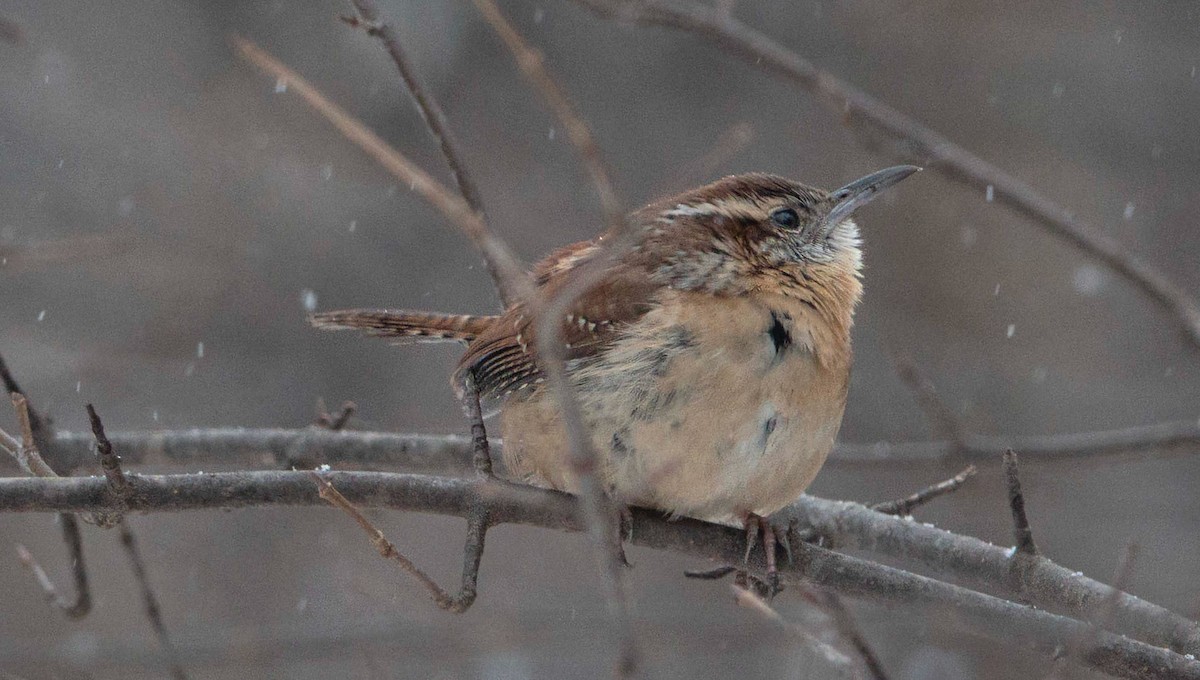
<point>733,209</point>
<point>685,210</point>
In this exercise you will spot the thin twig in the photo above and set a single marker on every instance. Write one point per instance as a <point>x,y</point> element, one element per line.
<point>7,379</point>
<point>1105,614</point>
<point>847,628</point>
<point>905,506</point>
<point>82,604</point>
<point>150,601</point>
<point>942,420</point>
<point>372,20</point>
<point>599,513</point>
<point>456,210</point>
<point>729,143</point>
<point>532,65</point>
<point>122,490</point>
<point>458,602</point>
<point>846,575</point>
<point>110,462</point>
<point>25,452</point>
<point>748,599</point>
<point>1022,533</point>
<point>331,422</point>
<point>33,423</point>
<point>28,457</point>
<point>913,140</point>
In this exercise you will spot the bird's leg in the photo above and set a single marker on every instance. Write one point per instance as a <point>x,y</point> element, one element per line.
<point>755,526</point>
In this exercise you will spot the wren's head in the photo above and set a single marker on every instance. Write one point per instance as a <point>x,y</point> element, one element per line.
<point>756,232</point>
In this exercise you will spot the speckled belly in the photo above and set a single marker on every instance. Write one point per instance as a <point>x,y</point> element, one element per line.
<point>709,413</point>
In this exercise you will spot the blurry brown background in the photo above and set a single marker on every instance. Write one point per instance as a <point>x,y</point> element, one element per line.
<point>157,194</point>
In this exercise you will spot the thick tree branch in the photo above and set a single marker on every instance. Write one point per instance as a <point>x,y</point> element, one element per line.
<point>973,561</point>
<point>1044,584</point>
<point>911,139</point>
<point>510,503</point>
<point>436,453</point>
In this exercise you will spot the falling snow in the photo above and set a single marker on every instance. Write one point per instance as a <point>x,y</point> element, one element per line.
<point>1129,211</point>
<point>42,315</point>
<point>990,194</point>
<point>308,298</point>
<point>326,172</point>
<point>281,86</point>
<point>1012,328</point>
<point>200,350</point>
<point>353,226</point>
<point>1088,279</point>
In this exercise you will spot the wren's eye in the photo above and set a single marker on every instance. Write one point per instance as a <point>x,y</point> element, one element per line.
<point>785,218</point>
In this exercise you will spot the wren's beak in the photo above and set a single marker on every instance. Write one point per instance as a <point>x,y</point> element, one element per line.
<point>861,192</point>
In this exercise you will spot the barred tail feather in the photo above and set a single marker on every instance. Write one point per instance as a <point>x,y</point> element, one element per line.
<point>404,326</point>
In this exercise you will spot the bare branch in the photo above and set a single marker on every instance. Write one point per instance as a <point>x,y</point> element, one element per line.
<point>510,503</point>
<point>1160,439</point>
<point>7,379</point>
<point>942,420</point>
<point>599,512</point>
<point>728,144</point>
<point>456,603</point>
<point>376,26</point>
<point>906,505</point>
<point>911,138</point>
<point>333,422</point>
<point>533,66</point>
<point>460,213</point>
<point>847,628</point>
<point>1103,619</point>
<point>968,560</point>
<point>1022,534</point>
<point>150,601</point>
<point>450,453</point>
<point>31,422</point>
<point>82,604</point>
<point>748,599</point>
<point>25,452</point>
<point>110,462</point>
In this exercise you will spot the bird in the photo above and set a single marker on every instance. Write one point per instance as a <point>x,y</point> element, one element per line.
<point>711,360</point>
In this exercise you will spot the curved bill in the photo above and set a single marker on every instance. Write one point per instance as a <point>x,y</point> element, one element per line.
<point>862,191</point>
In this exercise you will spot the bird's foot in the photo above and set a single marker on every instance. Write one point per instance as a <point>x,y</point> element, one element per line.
<point>624,533</point>
<point>775,532</point>
<point>757,526</point>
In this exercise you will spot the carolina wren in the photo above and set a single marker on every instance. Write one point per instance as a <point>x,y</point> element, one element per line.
<point>711,362</point>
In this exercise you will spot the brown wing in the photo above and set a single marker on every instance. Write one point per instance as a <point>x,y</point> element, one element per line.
<point>504,357</point>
